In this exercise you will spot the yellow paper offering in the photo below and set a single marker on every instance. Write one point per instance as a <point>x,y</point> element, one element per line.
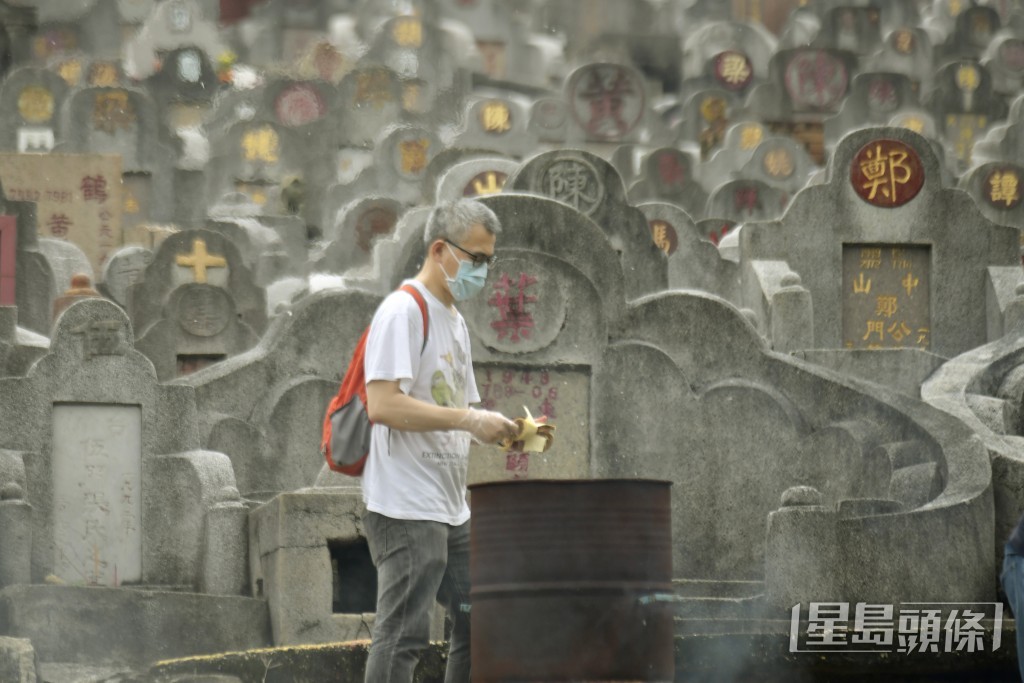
<point>534,435</point>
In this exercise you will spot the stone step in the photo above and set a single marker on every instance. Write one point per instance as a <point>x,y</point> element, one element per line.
<point>719,608</point>
<point>129,628</point>
<point>709,588</point>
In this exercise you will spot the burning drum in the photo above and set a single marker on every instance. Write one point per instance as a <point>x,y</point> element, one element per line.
<point>572,580</point>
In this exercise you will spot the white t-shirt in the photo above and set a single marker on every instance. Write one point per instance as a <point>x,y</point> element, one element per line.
<point>419,475</point>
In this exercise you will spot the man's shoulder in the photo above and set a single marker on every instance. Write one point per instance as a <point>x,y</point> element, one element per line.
<point>397,302</point>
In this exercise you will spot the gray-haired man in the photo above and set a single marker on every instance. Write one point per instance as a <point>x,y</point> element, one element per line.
<point>414,484</point>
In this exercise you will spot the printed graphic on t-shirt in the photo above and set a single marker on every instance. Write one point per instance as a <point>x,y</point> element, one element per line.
<point>450,395</point>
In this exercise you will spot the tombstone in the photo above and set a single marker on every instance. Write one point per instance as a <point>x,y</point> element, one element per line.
<point>996,188</point>
<point>19,36</point>
<point>906,50</point>
<point>743,200</point>
<point>729,56</point>
<point>737,148</point>
<point>549,120</point>
<point>201,257</point>
<point>81,288</point>
<point>854,29</point>
<point>97,509</point>
<point>77,197</point>
<point>372,96</point>
<point>66,260</point>
<point>357,227</point>
<point>706,118</point>
<point>97,30</point>
<point>974,29</point>
<point>508,50</point>
<point>669,175</point>
<point>30,101</point>
<point>964,106</point>
<point>873,100</point>
<point>591,186</point>
<point>171,25</point>
<point>715,230</point>
<point>256,158</point>
<point>693,261</point>
<point>902,262</point>
<point>199,326</point>
<point>498,124</point>
<point>261,247</point>
<point>184,86</point>
<point>780,163</point>
<point>19,350</point>
<point>477,177</point>
<point>122,270</point>
<point>806,85</point>
<point>1004,59</point>
<point>607,103</point>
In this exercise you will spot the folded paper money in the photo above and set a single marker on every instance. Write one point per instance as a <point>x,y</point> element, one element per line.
<point>534,435</point>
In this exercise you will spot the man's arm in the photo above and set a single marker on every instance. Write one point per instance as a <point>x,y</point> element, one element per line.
<point>387,405</point>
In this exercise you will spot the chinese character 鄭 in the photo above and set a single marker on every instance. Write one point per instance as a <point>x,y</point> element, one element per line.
<point>885,306</point>
<point>884,172</point>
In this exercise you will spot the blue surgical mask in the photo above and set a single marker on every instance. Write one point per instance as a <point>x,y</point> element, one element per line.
<point>468,280</point>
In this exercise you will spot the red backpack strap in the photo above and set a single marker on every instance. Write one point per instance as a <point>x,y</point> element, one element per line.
<point>415,293</point>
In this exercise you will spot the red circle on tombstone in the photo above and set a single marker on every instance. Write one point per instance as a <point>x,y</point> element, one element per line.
<point>733,70</point>
<point>373,222</point>
<point>298,105</point>
<point>1012,54</point>
<point>816,79</point>
<point>607,100</point>
<point>886,173</point>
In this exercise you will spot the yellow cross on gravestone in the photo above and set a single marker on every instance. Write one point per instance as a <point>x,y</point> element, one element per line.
<point>199,260</point>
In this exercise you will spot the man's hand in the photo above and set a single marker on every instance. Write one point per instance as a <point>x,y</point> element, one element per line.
<point>487,426</point>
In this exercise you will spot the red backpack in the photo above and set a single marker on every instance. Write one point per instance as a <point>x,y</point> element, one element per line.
<point>347,427</point>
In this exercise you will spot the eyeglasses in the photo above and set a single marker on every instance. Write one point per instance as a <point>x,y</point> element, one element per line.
<point>477,259</point>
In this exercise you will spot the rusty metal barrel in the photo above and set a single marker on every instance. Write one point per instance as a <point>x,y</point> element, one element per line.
<point>572,580</point>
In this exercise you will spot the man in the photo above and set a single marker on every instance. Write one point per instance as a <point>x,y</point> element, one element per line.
<point>1012,581</point>
<point>414,484</point>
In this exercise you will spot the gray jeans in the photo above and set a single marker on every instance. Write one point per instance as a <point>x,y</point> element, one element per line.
<point>417,562</point>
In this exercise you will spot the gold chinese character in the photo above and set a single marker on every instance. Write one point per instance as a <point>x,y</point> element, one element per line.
<point>904,42</point>
<point>659,233</point>
<point>750,136</point>
<point>414,155</point>
<point>1004,187</point>
<point>103,75</point>
<point>492,186</point>
<point>870,259</point>
<point>899,261</point>
<point>779,163</point>
<point>131,205</point>
<point>885,306</point>
<point>373,87</point>
<point>260,144</point>
<point>875,327</point>
<point>922,336</point>
<point>713,109</point>
<point>495,117</point>
<point>35,104</point>
<point>407,32</point>
<point>899,331</point>
<point>914,123</point>
<point>113,110</point>
<point>909,283</point>
<point>70,71</point>
<point>411,96</point>
<point>881,171</point>
<point>735,68</point>
<point>862,285</point>
<point>967,78</point>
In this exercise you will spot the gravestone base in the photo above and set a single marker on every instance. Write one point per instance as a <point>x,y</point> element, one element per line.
<point>112,627</point>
